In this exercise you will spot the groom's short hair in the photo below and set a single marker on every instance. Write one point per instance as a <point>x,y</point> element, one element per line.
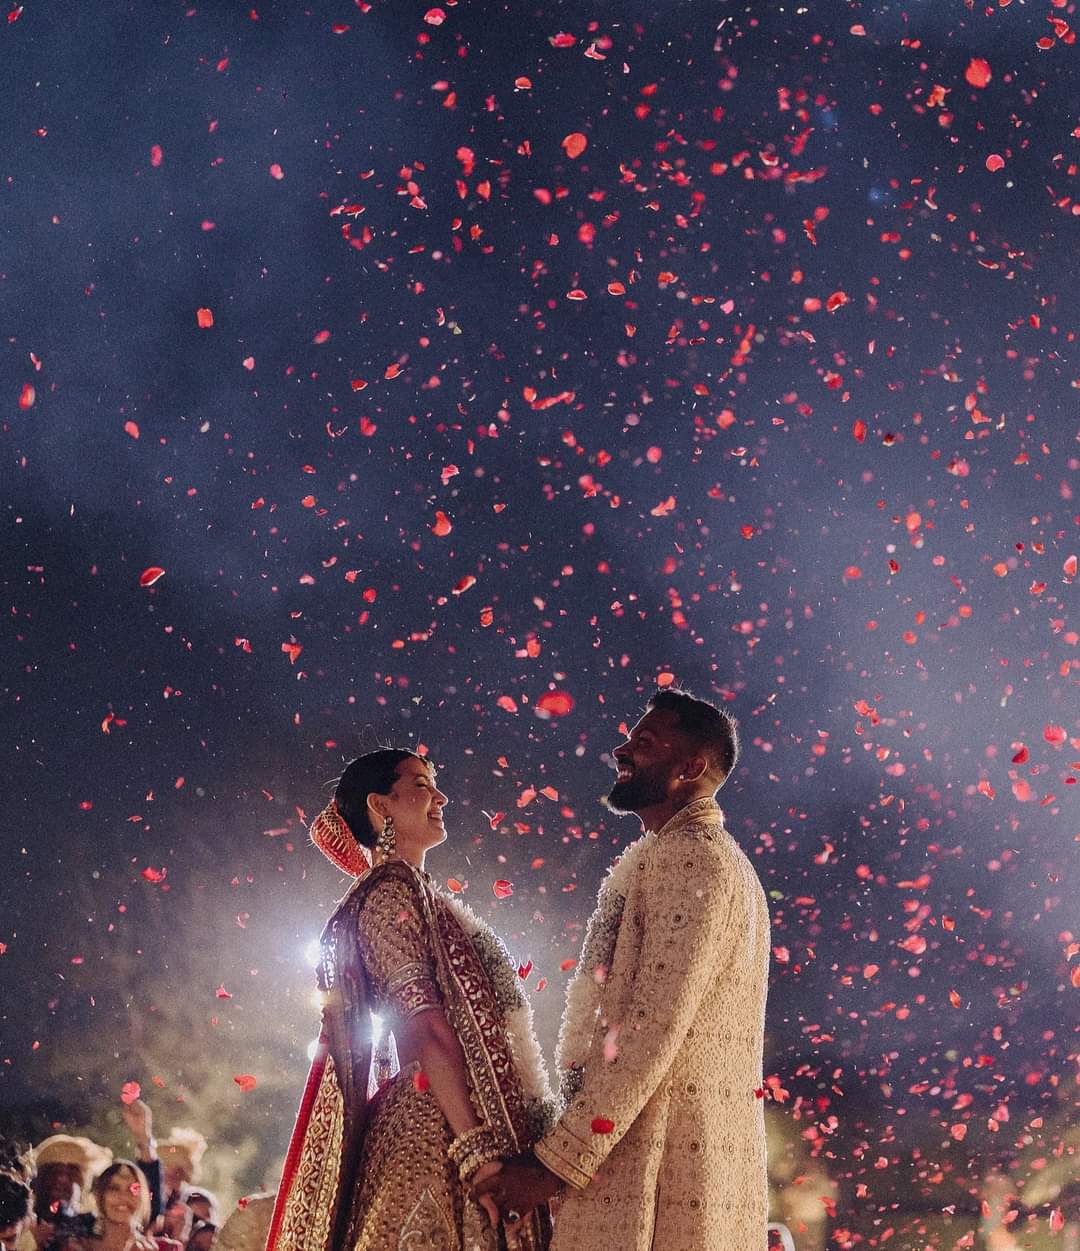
<point>712,730</point>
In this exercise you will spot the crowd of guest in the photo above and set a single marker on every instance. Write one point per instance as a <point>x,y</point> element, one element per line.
<point>67,1193</point>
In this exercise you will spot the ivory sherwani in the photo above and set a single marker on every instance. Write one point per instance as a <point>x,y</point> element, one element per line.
<point>663,1138</point>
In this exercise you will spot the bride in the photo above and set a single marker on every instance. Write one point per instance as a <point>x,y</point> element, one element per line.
<point>393,1171</point>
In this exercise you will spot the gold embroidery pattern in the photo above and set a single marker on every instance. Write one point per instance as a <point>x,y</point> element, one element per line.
<point>425,1228</point>
<point>306,1223</point>
<point>409,1196</point>
<point>479,1026</point>
<point>411,990</point>
<point>675,1058</point>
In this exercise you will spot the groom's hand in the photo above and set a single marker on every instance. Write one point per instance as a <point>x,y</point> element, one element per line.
<point>522,1184</point>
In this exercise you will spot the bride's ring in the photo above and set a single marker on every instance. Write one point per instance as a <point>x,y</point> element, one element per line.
<point>512,1216</point>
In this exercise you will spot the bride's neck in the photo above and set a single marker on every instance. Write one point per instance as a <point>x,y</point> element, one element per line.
<point>415,858</point>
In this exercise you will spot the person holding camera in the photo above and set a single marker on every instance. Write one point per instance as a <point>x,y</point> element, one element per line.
<point>65,1165</point>
<point>16,1195</point>
<point>122,1199</point>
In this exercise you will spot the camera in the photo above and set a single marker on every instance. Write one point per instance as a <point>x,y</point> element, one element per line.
<point>68,1227</point>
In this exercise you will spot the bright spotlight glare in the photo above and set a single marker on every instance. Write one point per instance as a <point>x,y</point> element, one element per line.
<point>313,1046</point>
<point>376,1028</point>
<point>313,953</point>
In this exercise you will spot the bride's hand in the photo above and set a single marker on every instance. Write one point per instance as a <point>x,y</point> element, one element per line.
<point>485,1201</point>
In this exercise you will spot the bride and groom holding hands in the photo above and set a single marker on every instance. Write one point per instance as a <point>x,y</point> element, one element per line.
<point>656,1138</point>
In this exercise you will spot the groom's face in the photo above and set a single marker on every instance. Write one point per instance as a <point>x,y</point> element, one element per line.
<point>648,763</point>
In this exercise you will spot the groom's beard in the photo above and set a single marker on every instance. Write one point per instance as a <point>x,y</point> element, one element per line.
<point>643,789</point>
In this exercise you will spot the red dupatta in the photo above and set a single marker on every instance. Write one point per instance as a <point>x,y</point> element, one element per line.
<point>312,1207</point>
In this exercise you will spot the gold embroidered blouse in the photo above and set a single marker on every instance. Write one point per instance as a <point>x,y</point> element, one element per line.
<point>396,952</point>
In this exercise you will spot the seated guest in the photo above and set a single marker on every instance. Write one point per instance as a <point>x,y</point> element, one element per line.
<point>16,1195</point>
<point>176,1222</point>
<point>122,1198</point>
<point>138,1119</point>
<point>65,1166</point>
<point>202,1236</point>
<point>203,1203</point>
<point>180,1155</point>
<point>246,1227</point>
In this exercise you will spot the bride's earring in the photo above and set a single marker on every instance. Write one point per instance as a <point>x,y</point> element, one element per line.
<point>386,842</point>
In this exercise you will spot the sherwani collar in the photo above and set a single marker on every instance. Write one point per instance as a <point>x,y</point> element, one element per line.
<point>695,810</point>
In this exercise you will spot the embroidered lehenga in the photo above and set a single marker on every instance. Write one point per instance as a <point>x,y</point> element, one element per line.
<point>372,1173</point>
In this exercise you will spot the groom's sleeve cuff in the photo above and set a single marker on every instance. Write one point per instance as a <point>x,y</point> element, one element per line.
<point>568,1157</point>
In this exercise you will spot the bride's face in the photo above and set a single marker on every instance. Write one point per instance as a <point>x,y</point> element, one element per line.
<point>416,805</point>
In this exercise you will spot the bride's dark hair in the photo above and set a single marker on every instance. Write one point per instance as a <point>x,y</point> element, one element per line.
<point>373,771</point>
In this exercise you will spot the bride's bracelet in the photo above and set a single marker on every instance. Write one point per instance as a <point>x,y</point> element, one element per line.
<point>473,1149</point>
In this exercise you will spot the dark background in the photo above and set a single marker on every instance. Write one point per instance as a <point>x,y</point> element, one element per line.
<point>853,527</point>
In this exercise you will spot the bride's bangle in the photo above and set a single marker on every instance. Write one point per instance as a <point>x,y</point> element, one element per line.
<point>473,1149</point>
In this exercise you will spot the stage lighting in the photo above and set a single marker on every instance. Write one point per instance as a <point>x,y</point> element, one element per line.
<point>376,1034</point>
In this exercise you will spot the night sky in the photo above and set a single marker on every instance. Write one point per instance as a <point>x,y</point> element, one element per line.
<point>452,377</point>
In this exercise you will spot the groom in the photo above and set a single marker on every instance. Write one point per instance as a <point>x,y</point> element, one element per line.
<point>662,1141</point>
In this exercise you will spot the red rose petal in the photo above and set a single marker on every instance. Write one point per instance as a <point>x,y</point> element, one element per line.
<point>574,144</point>
<point>555,703</point>
<point>978,72</point>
